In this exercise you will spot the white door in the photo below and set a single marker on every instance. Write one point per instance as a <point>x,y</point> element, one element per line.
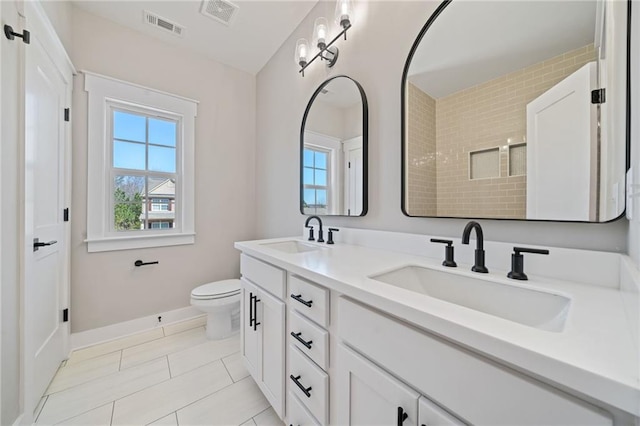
<point>354,173</point>
<point>370,396</point>
<point>562,177</point>
<point>45,268</point>
<point>271,326</point>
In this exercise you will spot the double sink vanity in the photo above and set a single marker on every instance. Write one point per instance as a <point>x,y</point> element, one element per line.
<point>382,328</point>
<point>375,330</point>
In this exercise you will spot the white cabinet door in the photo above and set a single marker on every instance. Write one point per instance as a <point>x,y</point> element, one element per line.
<point>370,396</point>
<point>271,327</point>
<point>432,415</point>
<point>249,336</point>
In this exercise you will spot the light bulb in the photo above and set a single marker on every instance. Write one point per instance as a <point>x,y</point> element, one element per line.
<point>344,13</point>
<point>302,52</point>
<point>320,30</point>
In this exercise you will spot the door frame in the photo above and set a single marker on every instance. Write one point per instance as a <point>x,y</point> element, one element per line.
<point>37,22</point>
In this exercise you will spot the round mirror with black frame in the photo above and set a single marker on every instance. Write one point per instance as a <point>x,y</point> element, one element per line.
<point>334,150</point>
<point>518,110</point>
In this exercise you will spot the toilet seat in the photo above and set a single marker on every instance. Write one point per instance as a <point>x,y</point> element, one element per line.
<point>216,290</point>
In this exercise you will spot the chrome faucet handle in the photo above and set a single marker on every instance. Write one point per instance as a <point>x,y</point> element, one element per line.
<point>449,260</point>
<point>517,262</point>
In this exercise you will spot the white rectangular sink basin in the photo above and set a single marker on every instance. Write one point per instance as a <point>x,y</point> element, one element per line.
<point>292,246</point>
<point>533,308</point>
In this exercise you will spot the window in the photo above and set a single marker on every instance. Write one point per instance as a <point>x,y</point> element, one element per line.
<point>316,180</point>
<point>141,193</point>
<point>160,204</point>
<point>143,165</point>
<point>160,225</point>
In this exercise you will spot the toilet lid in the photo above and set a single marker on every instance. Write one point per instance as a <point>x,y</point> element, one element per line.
<point>217,289</point>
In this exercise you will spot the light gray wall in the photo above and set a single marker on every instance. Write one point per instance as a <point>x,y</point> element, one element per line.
<point>374,55</point>
<point>634,225</point>
<point>325,119</point>
<point>105,287</point>
<point>59,14</point>
<point>9,225</point>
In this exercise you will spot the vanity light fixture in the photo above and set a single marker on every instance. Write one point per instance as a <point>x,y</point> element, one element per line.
<point>320,36</point>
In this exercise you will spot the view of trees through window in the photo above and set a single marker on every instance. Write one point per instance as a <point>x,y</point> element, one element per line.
<point>315,180</point>
<point>144,168</point>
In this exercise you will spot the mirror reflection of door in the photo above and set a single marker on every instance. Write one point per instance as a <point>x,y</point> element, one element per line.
<point>499,118</point>
<point>333,150</point>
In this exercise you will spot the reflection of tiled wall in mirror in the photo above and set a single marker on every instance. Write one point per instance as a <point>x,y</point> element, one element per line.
<point>485,116</point>
<point>421,154</point>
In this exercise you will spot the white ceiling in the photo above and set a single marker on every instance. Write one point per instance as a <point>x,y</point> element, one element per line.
<point>340,93</point>
<point>258,30</point>
<point>475,41</point>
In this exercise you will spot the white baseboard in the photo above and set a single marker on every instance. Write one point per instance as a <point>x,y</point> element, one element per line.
<point>18,421</point>
<point>116,331</point>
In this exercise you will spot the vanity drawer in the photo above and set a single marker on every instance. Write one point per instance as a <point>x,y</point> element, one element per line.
<point>266,276</point>
<point>310,384</point>
<point>298,414</point>
<point>309,299</point>
<point>315,340</point>
<point>472,387</point>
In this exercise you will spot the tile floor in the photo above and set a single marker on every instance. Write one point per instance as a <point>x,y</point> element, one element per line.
<point>171,375</point>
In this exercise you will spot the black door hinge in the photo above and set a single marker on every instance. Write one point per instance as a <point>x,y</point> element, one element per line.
<point>65,315</point>
<point>66,114</point>
<point>11,35</point>
<point>349,164</point>
<point>66,214</point>
<point>598,96</point>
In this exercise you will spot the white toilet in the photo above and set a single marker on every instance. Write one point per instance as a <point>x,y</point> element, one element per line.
<point>221,301</point>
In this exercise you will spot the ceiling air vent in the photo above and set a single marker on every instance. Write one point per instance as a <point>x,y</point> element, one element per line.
<point>221,10</point>
<point>162,23</point>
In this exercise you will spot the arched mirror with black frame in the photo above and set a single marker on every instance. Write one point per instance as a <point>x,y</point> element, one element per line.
<point>334,150</point>
<point>518,110</point>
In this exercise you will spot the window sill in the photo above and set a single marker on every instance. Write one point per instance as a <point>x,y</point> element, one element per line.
<point>138,242</point>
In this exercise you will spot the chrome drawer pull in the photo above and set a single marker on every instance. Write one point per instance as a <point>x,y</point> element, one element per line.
<point>298,297</point>
<point>300,385</point>
<point>301,340</point>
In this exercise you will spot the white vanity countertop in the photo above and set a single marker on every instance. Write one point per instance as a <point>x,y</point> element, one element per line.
<point>595,355</point>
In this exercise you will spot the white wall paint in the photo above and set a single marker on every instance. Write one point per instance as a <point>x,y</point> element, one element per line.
<point>105,287</point>
<point>59,14</point>
<point>634,225</point>
<point>10,224</point>
<point>374,55</point>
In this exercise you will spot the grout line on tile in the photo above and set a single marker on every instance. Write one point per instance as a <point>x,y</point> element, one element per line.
<point>227,370</point>
<point>175,413</point>
<point>206,396</point>
<point>46,398</point>
<point>120,363</point>
<point>113,409</point>
<point>169,366</point>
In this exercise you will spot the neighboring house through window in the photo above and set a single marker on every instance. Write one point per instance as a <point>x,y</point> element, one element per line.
<point>141,193</point>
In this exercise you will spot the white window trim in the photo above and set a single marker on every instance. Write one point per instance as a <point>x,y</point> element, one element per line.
<point>334,146</point>
<point>101,90</point>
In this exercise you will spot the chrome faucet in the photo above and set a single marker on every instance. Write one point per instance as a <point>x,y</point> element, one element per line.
<point>479,257</point>
<point>306,225</point>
